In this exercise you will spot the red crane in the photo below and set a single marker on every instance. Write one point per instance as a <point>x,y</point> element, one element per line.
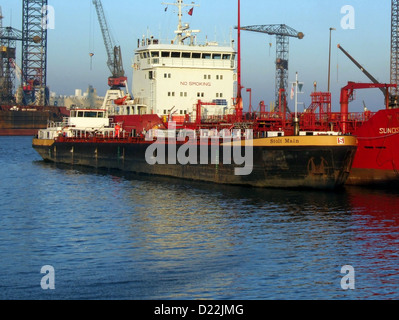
<point>118,78</point>
<point>347,96</point>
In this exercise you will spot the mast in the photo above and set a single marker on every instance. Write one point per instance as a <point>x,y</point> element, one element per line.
<point>239,103</point>
<point>180,29</point>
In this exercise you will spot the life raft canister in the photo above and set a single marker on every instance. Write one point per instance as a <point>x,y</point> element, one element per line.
<point>117,129</point>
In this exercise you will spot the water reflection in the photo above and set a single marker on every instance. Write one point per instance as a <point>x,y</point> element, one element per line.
<point>375,225</point>
<point>183,239</point>
<point>220,237</point>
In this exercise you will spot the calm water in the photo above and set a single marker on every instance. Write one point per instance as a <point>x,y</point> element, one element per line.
<point>110,236</point>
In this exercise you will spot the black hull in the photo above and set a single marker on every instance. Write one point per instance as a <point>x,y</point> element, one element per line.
<point>318,167</point>
<point>28,121</point>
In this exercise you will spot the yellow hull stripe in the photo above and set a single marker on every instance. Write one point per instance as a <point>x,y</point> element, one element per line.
<point>300,141</point>
<point>291,141</point>
<point>43,142</point>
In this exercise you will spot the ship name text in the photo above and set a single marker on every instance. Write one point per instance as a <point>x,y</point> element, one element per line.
<point>389,131</point>
<point>284,141</point>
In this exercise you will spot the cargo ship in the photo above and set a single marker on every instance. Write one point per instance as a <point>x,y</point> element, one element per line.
<point>235,157</point>
<point>186,120</point>
<point>27,120</point>
<point>377,159</point>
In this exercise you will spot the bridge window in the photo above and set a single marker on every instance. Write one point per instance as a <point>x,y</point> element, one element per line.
<point>165,54</point>
<point>206,56</point>
<point>176,54</point>
<point>196,55</point>
<point>90,114</point>
<point>186,55</point>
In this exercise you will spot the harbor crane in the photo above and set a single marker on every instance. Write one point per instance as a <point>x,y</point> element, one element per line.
<point>33,89</point>
<point>395,52</point>
<point>391,93</point>
<point>8,38</point>
<point>118,79</point>
<point>368,75</point>
<point>282,33</point>
<point>34,53</point>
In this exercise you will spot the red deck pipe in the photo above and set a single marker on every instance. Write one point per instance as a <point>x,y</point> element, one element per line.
<point>239,106</point>
<point>344,100</point>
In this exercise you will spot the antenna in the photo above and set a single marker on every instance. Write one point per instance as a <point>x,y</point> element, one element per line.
<point>239,106</point>
<point>180,28</point>
<point>1,21</point>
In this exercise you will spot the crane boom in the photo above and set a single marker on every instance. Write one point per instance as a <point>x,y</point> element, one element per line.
<point>282,33</point>
<point>275,29</point>
<point>115,64</point>
<point>104,30</point>
<point>395,49</point>
<point>368,75</point>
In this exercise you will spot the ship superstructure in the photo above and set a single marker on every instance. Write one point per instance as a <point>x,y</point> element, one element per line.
<point>170,77</point>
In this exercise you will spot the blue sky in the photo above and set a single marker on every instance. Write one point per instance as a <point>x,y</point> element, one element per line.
<point>77,33</point>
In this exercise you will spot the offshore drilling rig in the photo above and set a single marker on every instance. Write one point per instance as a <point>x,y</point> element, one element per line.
<point>395,52</point>
<point>33,69</point>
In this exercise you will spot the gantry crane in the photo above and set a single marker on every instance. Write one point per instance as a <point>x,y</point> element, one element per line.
<point>34,52</point>
<point>395,52</point>
<point>117,79</point>
<point>8,38</point>
<point>2,49</point>
<point>34,90</point>
<point>282,33</point>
